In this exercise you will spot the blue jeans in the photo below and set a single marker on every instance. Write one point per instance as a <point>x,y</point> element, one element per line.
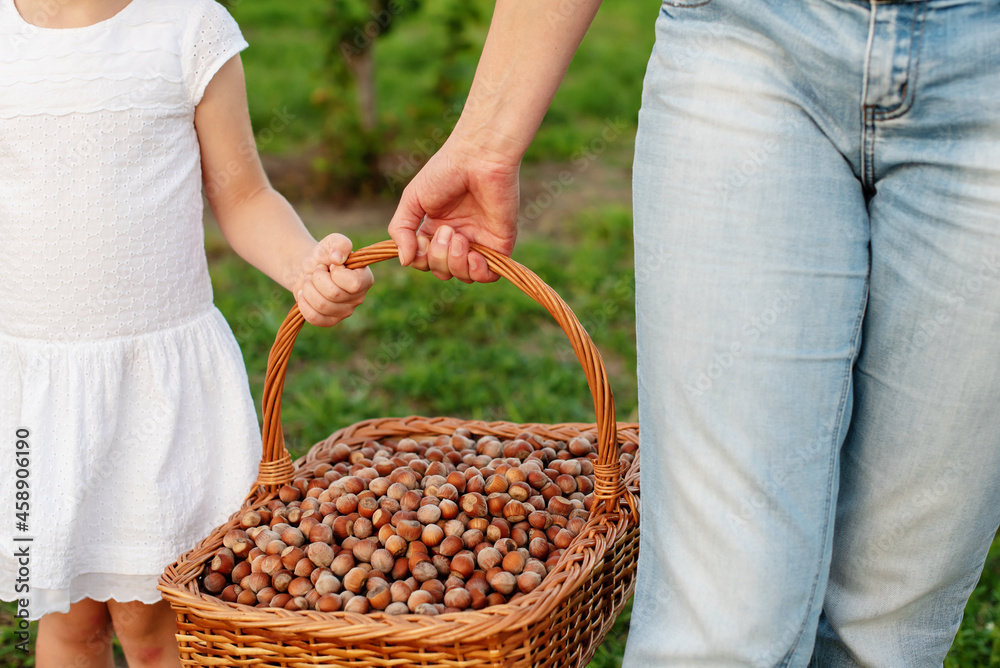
<point>817,235</point>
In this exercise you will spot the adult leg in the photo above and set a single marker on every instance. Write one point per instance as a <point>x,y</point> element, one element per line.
<point>751,279</point>
<point>146,633</point>
<point>84,633</point>
<point>920,470</point>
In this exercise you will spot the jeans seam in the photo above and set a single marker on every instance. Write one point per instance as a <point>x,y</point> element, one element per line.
<point>868,150</point>
<point>834,453</point>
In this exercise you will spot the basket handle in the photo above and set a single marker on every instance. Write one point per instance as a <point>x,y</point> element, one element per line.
<point>276,465</point>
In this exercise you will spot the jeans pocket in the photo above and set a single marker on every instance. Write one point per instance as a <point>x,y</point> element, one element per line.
<point>686,3</point>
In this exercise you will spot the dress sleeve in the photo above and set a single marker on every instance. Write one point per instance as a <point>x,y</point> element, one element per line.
<point>210,40</point>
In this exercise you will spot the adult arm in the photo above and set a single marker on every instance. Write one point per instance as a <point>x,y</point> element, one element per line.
<point>257,221</point>
<point>468,190</point>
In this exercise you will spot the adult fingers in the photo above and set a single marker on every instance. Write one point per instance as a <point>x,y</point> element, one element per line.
<point>404,224</point>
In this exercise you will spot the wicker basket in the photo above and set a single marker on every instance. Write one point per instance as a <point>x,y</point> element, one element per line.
<point>560,623</point>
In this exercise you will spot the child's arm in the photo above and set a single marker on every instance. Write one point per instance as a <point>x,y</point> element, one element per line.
<point>257,221</point>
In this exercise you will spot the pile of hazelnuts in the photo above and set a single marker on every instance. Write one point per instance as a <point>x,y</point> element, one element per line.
<point>412,527</point>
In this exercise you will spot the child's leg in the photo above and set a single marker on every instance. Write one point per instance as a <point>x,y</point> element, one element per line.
<point>84,633</point>
<point>146,633</point>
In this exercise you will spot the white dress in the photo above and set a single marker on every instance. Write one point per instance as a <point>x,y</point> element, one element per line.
<point>141,432</point>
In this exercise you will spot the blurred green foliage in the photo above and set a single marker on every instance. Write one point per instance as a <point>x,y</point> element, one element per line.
<point>424,61</point>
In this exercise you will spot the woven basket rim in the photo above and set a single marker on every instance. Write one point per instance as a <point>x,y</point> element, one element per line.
<point>602,530</point>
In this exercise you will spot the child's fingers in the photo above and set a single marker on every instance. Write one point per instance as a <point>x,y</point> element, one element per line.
<point>314,317</point>
<point>353,282</point>
<point>317,306</point>
<point>337,247</point>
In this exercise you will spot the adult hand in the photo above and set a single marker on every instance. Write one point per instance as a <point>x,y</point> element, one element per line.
<point>463,194</point>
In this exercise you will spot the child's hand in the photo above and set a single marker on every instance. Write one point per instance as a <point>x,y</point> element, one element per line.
<point>327,291</point>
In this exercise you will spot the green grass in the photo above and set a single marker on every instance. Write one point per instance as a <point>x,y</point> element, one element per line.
<point>420,346</point>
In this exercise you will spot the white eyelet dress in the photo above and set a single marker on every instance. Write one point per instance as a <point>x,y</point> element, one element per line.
<point>141,435</point>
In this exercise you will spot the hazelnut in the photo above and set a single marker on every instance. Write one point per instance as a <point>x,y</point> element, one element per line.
<point>474,504</point>
<point>410,500</point>
<point>214,583</point>
<point>297,603</point>
<point>265,595</point>
<point>478,523</point>
<point>282,579</point>
<point>293,536</point>
<point>488,558</point>
<point>397,608</point>
<point>400,591</point>
<point>418,598</point>
<point>450,546</point>
<point>230,593</point>
<point>240,571</point>
<point>495,484</point>
<point>428,514</point>
<point>287,493</point>
<point>379,597</point>
<point>342,563</point>
<point>328,584</point>
<point>496,598</point>
<point>321,533</point>
<point>409,530</point>
<point>513,562</point>
<point>223,561</point>
<point>462,565</point>
<point>255,582</point>
<point>328,603</point>
<point>364,549</point>
<point>519,491</point>
<point>354,580</point>
<point>299,587</point>
<point>357,604</point>
<point>382,560</point>
<point>247,597</point>
<point>515,511</point>
<point>563,538</point>
<point>401,569</point>
<point>395,545</point>
<point>320,554</point>
<point>431,535</point>
<point>250,518</point>
<point>424,570</point>
<point>304,568</point>
<point>458,597</point>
